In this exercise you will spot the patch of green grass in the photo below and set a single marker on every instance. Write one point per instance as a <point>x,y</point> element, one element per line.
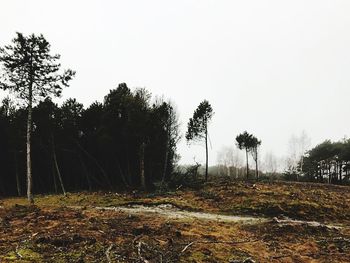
<point>23,255</point>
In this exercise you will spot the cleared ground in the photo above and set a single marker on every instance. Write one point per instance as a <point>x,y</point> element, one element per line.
<point>222,222</point>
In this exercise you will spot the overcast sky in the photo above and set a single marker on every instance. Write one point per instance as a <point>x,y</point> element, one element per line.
<point>273,68</point>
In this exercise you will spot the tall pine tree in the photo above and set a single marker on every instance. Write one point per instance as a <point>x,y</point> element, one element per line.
<point>31,72</point>
<point>197,127</point>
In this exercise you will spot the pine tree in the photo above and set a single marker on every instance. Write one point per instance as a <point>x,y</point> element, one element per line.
<point>197,128</point>
<point>32,73</point>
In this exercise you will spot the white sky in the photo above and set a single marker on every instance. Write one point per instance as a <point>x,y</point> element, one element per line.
<point>273,68</point>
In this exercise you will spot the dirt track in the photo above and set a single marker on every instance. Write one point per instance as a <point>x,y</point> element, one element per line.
<point>171,212</point>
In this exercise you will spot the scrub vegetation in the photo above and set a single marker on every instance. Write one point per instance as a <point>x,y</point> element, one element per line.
<point>81,227</point>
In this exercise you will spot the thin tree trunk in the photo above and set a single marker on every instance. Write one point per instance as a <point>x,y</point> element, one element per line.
<point>86,172</point>
<point>29,161</point>
<point>96,162</point>
<point>256,164</point>
<point>121,172</point>
<point>206,154</point>
<point>246,155</point>
<point>142,166</point>
<point>92,178</point>
<point>17,175</point>
<point>56,166</point>
<point>165,163</point>
<point>321,175</point>
<point>129,177</point>
<point>54,177</point>
<point>335,173</point>
<point>346,169</point>
<point>301,165</point>
<point>297,175</point>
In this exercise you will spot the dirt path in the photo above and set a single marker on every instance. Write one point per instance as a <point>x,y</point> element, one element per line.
<point>171,212</point>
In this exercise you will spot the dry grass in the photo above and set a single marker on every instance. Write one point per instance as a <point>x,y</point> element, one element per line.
<point>52,231</point>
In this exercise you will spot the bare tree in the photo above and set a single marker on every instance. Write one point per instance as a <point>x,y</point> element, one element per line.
<point>230,158</point>
<point>225,159</point>
<point>270,163</point>
<point>304,144</point>
<point>298,145</point>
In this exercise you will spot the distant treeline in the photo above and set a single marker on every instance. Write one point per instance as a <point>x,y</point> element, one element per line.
<point>124,142</point>
<point>327,162</point>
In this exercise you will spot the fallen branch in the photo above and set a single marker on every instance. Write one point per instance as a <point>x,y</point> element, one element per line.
<point>136,238</point>
<point>108,251</point>
<point>139,252</point>
<point>17,252</point>
<point>226,242</point>
<point>292,222</point>
<point>139,249</point>
<point>186,247</point>
<point>217,242</point>
<point>280,256</point>
<point>229,242</point>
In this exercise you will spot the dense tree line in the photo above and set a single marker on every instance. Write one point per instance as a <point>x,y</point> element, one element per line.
<point>123,142</point>
<point>327,162</point>
<point>126,141</point>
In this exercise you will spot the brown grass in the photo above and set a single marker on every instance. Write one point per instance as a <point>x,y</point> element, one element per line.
<point>52,231</point>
